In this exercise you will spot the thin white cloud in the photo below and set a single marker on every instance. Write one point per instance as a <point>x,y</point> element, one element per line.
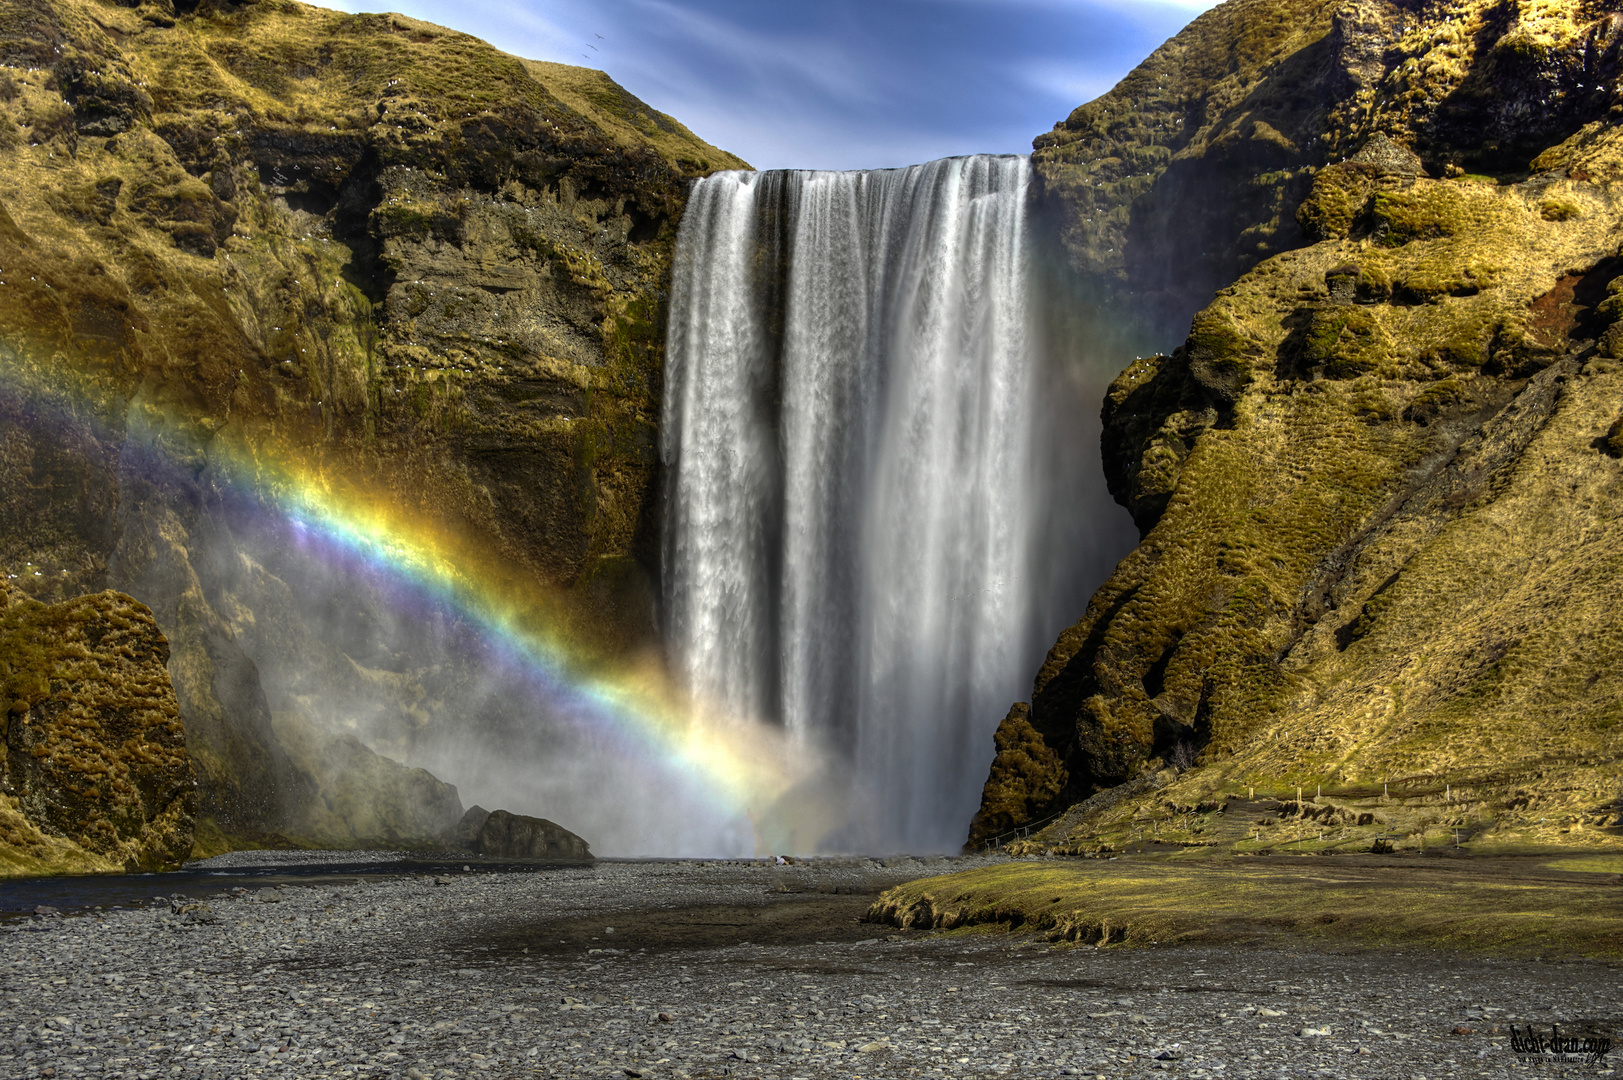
<point>823,65</point>
<point>1065,82</point>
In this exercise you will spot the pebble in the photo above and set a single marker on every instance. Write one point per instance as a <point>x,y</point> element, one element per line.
<point>401,977</point>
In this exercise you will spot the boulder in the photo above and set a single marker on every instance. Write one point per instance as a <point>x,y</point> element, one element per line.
<point>517,836</point>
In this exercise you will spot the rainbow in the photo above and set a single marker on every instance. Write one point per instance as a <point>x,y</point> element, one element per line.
<point>745,771</point>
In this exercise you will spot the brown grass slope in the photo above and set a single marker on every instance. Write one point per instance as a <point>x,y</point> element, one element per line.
<point>1379,485</point>
<point>373,248</point>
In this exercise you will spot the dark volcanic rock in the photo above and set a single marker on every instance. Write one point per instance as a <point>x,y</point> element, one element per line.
<point>466,832</point>
<point>515,836</point>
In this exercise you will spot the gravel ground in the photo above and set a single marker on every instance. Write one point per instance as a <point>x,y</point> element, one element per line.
<point>244,860</point>
<point>674,969</point>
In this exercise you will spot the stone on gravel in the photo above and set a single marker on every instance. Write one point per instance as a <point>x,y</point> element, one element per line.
<point>517,836</point>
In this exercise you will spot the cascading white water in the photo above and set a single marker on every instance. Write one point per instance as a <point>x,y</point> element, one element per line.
<point>851,507</point>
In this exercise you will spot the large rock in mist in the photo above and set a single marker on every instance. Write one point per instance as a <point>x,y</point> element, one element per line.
<point>516,836</point>
<point>323,243</point>
<point>95,775</point>
<point>1379,485</point>
<point>500,834</point>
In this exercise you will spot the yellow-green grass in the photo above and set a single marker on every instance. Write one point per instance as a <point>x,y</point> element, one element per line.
<point>1594,864</point>
<point>1502,905</point>
<point>625,119</point>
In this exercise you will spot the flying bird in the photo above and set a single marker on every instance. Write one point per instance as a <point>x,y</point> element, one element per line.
<point>594,48</point>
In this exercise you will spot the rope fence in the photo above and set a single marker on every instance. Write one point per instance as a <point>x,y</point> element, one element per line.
<point>992,843</point>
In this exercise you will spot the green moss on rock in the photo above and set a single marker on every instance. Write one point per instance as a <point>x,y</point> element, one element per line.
<point>1266,125</point>
<point>1026,778</point>
<point>1613,443</point>
<point>96,768</point>
<point>1336,199</point>
<point>1338,341</point>
<point>1421,212</point>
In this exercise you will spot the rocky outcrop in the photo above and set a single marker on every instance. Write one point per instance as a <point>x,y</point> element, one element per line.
<point>1027,779</point>
<point>516,836</point>
<point>1374,485</point>
<point>250,251</point>
<point>499,834</point>
<point>95,775</point>
<point>466,831</point>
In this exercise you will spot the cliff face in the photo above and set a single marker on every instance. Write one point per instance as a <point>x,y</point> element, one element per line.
<point>1379,485</point>
<point>361,796</point>
<point>234,237</point>
<point>95,775</point>
<point>1189,173</point>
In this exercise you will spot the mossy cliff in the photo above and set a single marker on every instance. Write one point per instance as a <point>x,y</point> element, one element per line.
<point>1379,486</point>
<point>95,776</point>
<point>376,248</point>
<point>1190,171</point>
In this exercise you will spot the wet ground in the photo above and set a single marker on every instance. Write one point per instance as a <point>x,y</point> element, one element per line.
<point>254,869</point>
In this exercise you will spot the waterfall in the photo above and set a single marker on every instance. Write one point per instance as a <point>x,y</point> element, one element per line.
<point>851,509</point>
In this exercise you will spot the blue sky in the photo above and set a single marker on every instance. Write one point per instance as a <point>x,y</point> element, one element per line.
<point>837,84</point>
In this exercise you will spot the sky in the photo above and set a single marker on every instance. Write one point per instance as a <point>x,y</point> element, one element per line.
<point>836,84</point>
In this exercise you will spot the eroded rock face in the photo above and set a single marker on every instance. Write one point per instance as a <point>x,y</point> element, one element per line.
<point>96,774</point>
<point>286,242</point>
<point>1375,484</point>
<point>466,831</point>
<point>361,796</point>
